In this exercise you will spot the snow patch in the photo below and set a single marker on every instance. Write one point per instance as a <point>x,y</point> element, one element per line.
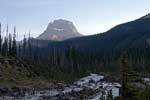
<point>91,77</point>
<point>58,29</point>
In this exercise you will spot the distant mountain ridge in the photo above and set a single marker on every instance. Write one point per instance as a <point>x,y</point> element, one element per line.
<point>132,34</point>
<point>59,30</point>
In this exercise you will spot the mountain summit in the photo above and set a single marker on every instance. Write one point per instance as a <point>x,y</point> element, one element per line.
<point>59,30</point>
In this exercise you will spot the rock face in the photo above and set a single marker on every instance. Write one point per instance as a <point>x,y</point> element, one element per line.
<point>59,30</point>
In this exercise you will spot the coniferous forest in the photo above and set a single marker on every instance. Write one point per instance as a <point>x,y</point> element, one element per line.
<point>52,62</point>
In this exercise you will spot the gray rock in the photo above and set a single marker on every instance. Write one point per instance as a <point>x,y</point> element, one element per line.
<point>59,30</point>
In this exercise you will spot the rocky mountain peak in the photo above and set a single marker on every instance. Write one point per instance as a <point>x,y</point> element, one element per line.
<point>59,30</point>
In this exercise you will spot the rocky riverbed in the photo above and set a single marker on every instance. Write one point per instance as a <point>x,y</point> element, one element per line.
<point>88,87</point>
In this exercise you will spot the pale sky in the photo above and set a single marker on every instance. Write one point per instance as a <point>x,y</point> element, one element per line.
<point>89,16</point>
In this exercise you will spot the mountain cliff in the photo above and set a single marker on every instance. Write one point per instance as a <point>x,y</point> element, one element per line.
<point>59,30</point>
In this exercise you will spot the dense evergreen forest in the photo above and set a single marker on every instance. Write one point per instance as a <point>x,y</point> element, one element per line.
<point>70,63</point>
<point>69,59</point>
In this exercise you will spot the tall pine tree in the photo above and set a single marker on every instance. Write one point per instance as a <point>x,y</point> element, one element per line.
<point>10,45</point>
<point>5,44</point>
<point>24,46</point>
<point>14,45</point>
<point>124,77</point>
<point>0,38</point>
<point>5,47</point>
<point>29,46</point>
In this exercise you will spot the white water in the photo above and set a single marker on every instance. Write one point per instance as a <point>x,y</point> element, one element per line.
<point>78,86</point>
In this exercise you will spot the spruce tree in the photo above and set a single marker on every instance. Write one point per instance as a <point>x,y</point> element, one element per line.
<point>0,38</point>
<point>24,45</point>
<point>5,44</point>
<point>10,45</point>
<point>14,45</point>
<point>19,50</point>
<point>29,46</point>
<point>124,77</point>
<point>5,47</point>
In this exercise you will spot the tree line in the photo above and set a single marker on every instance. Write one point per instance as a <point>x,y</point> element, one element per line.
<point>9,45</point>
<point>69,59</point>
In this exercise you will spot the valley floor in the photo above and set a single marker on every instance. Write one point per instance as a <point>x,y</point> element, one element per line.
<point>89,87</point>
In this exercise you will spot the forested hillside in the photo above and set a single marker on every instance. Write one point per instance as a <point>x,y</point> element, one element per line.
<point>34,63</point>
<point>101,52</point>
